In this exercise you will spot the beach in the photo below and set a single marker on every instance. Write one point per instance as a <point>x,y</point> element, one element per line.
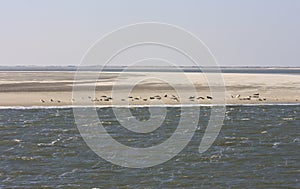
<point>39,88</point>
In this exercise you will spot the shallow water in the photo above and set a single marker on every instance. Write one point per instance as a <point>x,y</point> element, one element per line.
<point>258,147</point>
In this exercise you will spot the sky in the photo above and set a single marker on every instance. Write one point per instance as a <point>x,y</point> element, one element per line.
<point>239,33</point>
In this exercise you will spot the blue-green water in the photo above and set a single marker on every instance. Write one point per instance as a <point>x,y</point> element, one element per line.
<point>258,147</point>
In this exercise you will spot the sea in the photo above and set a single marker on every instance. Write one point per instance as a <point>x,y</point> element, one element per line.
<point>257,147</point>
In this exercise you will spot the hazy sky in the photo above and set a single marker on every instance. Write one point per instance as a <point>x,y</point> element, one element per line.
<point>238,32</point>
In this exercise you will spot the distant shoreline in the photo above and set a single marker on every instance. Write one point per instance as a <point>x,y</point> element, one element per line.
<point>55,89</point>
<point>186,69</point>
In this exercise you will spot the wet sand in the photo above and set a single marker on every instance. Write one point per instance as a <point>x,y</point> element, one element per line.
<point>55,88</point>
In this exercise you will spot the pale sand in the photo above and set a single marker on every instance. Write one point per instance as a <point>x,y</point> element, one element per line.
<point>31,88</point>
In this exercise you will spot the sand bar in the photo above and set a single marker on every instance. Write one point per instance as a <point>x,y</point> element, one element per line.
<point>139,88</point>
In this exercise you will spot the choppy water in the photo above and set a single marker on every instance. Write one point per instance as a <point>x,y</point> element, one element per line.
<point>258,147</point>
